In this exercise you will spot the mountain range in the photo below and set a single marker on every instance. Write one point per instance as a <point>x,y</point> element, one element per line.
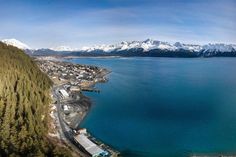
<point>149,47</point>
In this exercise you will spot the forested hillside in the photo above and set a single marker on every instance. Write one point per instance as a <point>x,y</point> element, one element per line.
<point>24,102</point>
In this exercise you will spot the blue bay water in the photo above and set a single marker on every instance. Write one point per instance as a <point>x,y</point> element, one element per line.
<point>165,106</point>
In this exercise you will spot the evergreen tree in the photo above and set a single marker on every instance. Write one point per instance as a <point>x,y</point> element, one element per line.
<point>24,98</point>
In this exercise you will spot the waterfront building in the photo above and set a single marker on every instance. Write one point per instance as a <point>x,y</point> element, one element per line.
<point>89,146</point>
<point>74,88</point>
<point>82,131</point>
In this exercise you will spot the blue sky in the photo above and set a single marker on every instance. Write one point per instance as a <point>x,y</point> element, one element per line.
<point>76,23</point>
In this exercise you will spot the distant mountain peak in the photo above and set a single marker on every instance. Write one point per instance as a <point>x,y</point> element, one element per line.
<point>150,44</point>
<point>16,43</point>
<point>63,48</point>
<point>220,47</point>
<point>149,40</point>
<point>178,44</point>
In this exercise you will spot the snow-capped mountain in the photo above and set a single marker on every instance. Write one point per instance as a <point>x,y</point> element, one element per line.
<point>150,44</point>
<point>218,48</point>
<point>16,43</point>
<point>234,46</point>
<point>151,47</point>
<point>63,48</point>
<point>189,47</point>
<point>147,47</point>
<point>125,45</point>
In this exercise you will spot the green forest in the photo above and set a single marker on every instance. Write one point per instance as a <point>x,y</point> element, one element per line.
<point>24,107</point>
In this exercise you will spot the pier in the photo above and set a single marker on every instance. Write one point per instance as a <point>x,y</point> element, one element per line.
<point>91,90</point>
<point>72,106</point>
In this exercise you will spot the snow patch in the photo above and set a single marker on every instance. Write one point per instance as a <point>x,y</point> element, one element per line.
<point>63,48</point>
<point>15,43</point>
<point>218,48</point>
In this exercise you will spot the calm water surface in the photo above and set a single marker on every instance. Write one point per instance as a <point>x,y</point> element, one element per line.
<point>165,106</point>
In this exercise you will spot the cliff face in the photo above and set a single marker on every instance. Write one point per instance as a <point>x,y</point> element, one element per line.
<point>24,102</point>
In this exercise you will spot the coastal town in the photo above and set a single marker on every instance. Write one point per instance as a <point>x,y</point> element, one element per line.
<point>70,106</point>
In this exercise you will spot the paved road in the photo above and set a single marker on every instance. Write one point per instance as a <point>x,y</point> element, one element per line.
<point>65,132</point>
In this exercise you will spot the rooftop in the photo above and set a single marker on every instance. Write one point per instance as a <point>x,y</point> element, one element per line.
<point>88,145</point>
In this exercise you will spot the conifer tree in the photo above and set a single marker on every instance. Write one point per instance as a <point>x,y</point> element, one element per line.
<point>24,98</point>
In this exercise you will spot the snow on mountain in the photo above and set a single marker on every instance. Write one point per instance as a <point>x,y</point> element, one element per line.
<point>146,45</point>
<point>63,48</point>
<point>234,46</point>
<point>16,43</point>
<point>150,44</point>
<point>125,45</point>
<point>189,47</point>
<point>218,48</point>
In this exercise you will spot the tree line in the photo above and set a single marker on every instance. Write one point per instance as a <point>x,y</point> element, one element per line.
<point>24,106</point>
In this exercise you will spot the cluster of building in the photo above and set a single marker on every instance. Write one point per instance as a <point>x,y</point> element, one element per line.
<point>71,105</point>
<point>71,79</point>
<point>83,139</point>
<point>76,75</point>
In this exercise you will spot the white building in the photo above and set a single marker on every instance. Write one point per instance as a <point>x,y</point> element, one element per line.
<point>74,88</point>
<point>82,131</point>
<point>65,108</point>
<point>80,76</point>
<point>64,93</point>
<point>89,146</point>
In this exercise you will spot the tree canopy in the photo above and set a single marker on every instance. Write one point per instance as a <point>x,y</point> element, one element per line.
<point>24,103</point>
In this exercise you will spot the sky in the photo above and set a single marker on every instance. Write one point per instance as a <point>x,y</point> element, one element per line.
<point>77,23</point>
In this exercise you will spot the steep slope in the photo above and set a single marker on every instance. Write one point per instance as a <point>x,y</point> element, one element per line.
<point>24,102</point>
<point>16,43</point>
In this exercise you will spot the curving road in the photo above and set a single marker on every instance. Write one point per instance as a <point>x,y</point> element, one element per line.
<point>66,133</point>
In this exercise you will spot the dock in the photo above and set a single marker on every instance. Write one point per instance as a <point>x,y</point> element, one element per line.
<point>87,89</point>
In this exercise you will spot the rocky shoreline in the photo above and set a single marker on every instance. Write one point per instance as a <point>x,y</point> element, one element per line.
<point>71,106</point>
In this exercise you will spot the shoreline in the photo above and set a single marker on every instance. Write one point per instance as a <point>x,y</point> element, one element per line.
<point>72,105</point>
<point>92,87</point>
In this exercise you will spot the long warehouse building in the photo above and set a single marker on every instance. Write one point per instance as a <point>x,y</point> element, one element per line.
<point>89,146</point>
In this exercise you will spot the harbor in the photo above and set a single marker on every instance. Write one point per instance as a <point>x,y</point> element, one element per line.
<point>70,106</point>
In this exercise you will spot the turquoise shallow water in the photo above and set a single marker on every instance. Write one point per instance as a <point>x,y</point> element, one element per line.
<point>165,106</point>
